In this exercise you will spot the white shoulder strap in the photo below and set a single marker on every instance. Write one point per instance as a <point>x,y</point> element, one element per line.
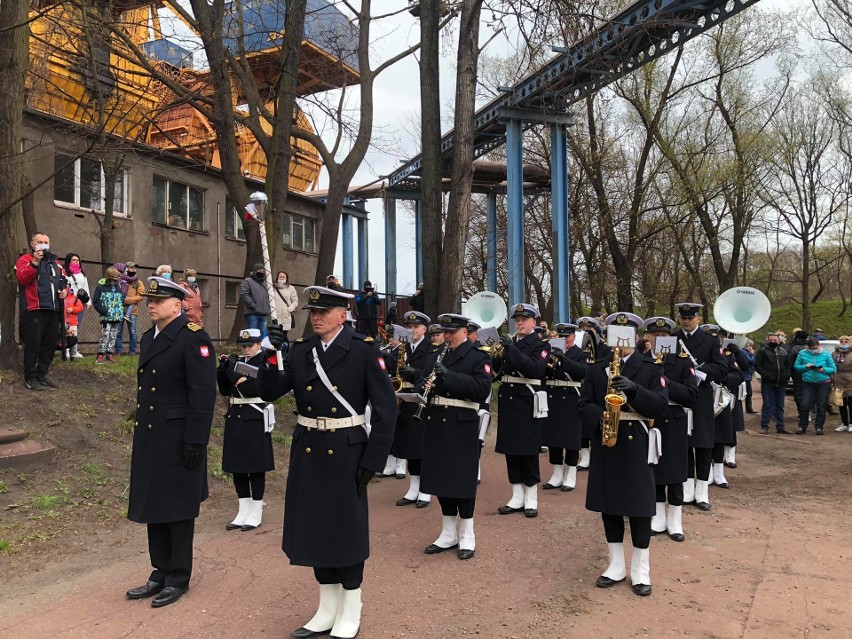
<point>327,383</point>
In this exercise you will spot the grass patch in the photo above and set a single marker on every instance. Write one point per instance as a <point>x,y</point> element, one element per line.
<point>214,464</point>
<point>46,503</point>
<point>5,546</point>
<point>3,487</point>
<point>97,473</point>
<point>280,438</point>
<point>824,315</point>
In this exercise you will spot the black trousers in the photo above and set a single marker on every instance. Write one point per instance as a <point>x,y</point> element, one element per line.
<point>718,453</point>
<point>846,410</point>
<point>699,462</point>
<point>749,395</point>
<point>414,466</point>
<point>523,469</point>
<point>674,491</point>
<point>350,577</point>
<point>369,327</point>
<point>558,456</point>
<point>640,530</point>
<point>170,548</point>
<point>250,485</point>
<point>452,506</point>
<point>41,334</point>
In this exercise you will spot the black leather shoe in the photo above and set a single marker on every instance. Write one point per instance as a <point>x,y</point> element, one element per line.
<point>47,382</point>
<point>549,486</point>
<point>676,536</point>
<point>703,505</point>
<point>405,501</point>
<point>582,468</point>
<point>725,485</point>
<point>421,504</point>
<point>783,431</point>
<point>819,431</point>
<point>643,590</point>
<point>148,590</point>
<point>656,532</point>
<point>800,431</point>
<point>731,464</point>
<point>752,412</point>
<point>33,385</point>
<point>230,526</point>
<point>566,489</point>
<point>304,633</point>
<point>764,431</point>
<point>400,475</point>
<point>168,595</point>
<point>466,554</point>
<point>606,582</point>
<point>508,510</point>
<point>530,512</point>
<point>434,549</point>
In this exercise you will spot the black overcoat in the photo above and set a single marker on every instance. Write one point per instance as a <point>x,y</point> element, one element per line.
<point>325,521</point>
<point>517,432</point>
<point>408,437</point>
<point>683,389</point>
<point>708,352</point>
<point>562,428</point>
<point>246,447</point>
<point>451,445</point>
<point>175,401</point>
<point>725,420</point>
<point>621,481</point>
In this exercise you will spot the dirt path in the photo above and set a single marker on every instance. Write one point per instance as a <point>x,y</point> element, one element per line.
<point>771,559</point>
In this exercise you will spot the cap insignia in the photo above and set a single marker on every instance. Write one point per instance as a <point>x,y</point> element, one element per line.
<point>152,287</point>
<point>244,335</point>
<point>314,295</point>
<point>621,319</point>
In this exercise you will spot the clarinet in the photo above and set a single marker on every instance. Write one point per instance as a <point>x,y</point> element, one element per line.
<point>425,401</point>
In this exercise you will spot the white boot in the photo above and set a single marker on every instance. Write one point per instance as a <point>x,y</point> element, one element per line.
<point>719,475</point>
<point>479,472</point>
<point>401,466</point>
<point>448,538</point>
<point>555,480</point>
<point>702,494</point>
<point>423,498</point>
<point>242,513</point>
<point>467,538</point>
<point>569,482</point>
<point>674,522</point>
<point>617,570</point>
<point>517,500</point>
<point>413,488</point>
<point>348,619</point>
<point>585,455</point>
<point>689,490</point>
<point>731,456</point>
<point>255,515</point>
<point>390,465</point>
<point>531,501</point>
<point>658,521</point>
<point>330,597</point>
<point>640,571</point>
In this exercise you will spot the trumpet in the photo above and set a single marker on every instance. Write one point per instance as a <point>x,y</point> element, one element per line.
<point>496,349</point>
<point>555,357</point>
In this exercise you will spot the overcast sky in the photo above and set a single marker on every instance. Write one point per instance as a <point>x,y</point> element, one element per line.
<point>397,105</point>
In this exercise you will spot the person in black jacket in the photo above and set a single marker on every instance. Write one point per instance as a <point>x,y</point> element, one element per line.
<point>333,374</point>
<point>621,478</point>
<point>417,302</point>
<point>799,344</point>
<point>168,465</point>
<point>771,363</point>
<point>367,303</point>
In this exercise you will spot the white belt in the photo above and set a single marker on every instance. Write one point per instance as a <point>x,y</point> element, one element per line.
<point>630,417</point>
<point>562,382</point>
<point>407,386</point>
<point>520,380</point>
<point>458,403</point>
<point>331,423</point>
<point>246,400</point>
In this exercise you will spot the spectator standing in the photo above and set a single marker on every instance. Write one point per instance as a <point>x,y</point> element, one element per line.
<point>42,288</point>
<point>286,302</point>
<point>418,300</point>
<point>164,271</point>
<point>192,304</point>
<point>843,381</point>
<point>108,301</point>
<point>817,366</point>
<point>77,282</point>
<point>333,283</point>
<point>748,373</point>
<point>799,339</point>
<point>133,289</point>
<point>771,364</point>
<point>255,299</point>
<point>73,309</point>
<point>367,304</point>
<point>818,336</point>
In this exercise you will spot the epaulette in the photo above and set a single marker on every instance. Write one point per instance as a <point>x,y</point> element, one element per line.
<point>363,338</point>
<point>487,349</point>
<point>301,339</point>
<point>193,327</point>
<point>682,354</point>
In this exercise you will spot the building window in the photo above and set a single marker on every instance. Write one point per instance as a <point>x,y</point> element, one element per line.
<point>232,293</point>
<point>178,205</point>
<point>233,223</point>
<point>299,233</point>
<point>81,182</point>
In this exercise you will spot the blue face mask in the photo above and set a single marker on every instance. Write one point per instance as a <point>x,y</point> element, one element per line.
<point>843,347</point>
<point>166,276</point>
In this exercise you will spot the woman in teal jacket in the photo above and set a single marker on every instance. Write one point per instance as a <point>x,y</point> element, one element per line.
<point>816,367</point>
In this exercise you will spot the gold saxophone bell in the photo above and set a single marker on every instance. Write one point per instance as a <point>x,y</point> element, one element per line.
<point>613,401</point>
<point>401,362</point>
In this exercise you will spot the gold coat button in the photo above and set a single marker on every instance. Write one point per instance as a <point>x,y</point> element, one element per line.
<point>630,437</point>
<point>136,423</point>
<point>445,419</point>
<point>330,452</point>
<point>334,387</point>
<point>309,409</point>
<point>331,430</point>
<point>445,408</point>
<point>137,405</point>
<point>140,388</point>
<point>428,418</point>
<point>141,370</point>
<point>153,372</point>
<point>333,409</point>
<point>308,450</point>
<point>153,390</point>
<point>149,426</point>
<point>309,388</point>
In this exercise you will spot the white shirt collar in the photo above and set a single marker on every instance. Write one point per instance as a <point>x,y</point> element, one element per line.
<point>325,345</point>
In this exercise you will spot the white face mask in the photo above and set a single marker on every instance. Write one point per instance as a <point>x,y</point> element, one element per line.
<point>190,279</point>
<point>42,246</point>
<point>282,280</point>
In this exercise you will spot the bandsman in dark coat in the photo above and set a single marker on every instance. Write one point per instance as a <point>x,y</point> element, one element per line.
<point>333,374</point>
<point>562,433</point>
<point>174,411</point>
<point>710,366</point>
<point>457,380</point>
<point>595,350</point>
<point>408,438</point>
<point>670,471</point>
<point>247,447</point>
<point>726,420</point>
<point>519,429</point>
<point>621,479</point>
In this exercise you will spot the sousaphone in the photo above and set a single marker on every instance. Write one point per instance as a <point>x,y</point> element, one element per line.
<point>741,310</point>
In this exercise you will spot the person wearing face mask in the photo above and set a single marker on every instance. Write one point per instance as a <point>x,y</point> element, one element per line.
<point>286,302</point>
<point>772,365</point>
<point>191,303</point>
<point>816,366</point>
<point>42,288</point>
<point>133,290</point>
<point>843,381</point>
<point>108,301</point>
<point>78,284</point>
<point>255,298</point>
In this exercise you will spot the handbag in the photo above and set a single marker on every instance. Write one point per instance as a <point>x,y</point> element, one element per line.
<point>835,396</point>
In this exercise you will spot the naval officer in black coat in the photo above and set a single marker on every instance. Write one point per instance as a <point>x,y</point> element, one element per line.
<point>174,411</point>
<point>621,479</point>
<point>333,374</point>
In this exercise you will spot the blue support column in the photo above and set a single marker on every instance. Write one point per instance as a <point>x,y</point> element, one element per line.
<point>390,246</point>
<point>559,209</point>
<point>491,241</point>
<point>363,263</point>
<point>348,271</point>
<point>515,210</point>
<point>418,240</point>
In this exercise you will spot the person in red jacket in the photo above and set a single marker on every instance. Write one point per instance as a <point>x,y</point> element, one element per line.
<point>73,308</point>
<point>42,288</point>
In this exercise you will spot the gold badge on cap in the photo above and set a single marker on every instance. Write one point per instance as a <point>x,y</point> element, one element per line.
<point>519,308</point>
<point>314,295</point>
<point>621,319</point>
<point>152,287</point>
<point>685,308</point>
<point>411,317</point>
<point>661,322</point>
<point>244,335</point>
<point>445,318</point>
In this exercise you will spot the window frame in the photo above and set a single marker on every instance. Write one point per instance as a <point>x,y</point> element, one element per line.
<point>294,223</point>
<point>239,231</point>
<point>185,199</point>
<point>120,204</point>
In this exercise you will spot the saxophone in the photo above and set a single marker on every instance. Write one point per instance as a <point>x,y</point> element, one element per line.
<point>401,362</point>
<point>613,402</point>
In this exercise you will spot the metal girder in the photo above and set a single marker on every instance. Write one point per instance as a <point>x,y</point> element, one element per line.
<point>644,31</point>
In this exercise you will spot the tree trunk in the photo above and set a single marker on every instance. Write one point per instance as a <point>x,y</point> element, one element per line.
<point>806,285</point>
<point>14,61</point>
